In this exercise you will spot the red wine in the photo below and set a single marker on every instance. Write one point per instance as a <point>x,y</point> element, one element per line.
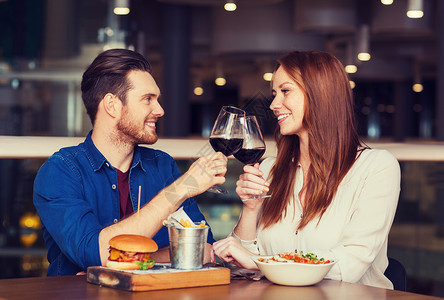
<point>226,146</point>
<point>249,156</point>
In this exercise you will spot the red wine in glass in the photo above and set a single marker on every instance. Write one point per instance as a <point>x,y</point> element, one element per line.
<point>249,156</point>
<point>253,146</point>
<point>226,146</point>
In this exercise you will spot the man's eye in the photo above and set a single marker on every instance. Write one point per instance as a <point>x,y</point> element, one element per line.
<point>285,91</point>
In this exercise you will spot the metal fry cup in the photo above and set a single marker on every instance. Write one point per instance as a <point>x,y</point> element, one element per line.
<point>187,246</point>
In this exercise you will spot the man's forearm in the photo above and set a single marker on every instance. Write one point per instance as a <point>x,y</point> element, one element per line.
<point>148,221</point>
<point>202,174</point>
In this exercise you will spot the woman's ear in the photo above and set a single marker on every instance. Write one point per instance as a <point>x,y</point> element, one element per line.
<point>112,105</point>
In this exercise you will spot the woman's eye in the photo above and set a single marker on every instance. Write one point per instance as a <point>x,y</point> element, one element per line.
<point>285,91</point>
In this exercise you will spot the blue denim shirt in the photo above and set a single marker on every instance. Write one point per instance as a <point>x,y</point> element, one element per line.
<point>76,196</point>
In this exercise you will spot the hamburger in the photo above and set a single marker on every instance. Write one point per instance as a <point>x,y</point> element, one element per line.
<point>131,252</point>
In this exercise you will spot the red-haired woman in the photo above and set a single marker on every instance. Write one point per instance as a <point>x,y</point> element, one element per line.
<point>330,194</point>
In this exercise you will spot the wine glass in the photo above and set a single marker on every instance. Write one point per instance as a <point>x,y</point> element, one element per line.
<point>227,135</point>
<point>253,146</point>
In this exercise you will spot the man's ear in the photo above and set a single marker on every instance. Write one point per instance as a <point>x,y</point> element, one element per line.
<point>112,105</point>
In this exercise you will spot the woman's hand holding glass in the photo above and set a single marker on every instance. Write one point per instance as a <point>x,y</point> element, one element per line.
<point>251,186</point>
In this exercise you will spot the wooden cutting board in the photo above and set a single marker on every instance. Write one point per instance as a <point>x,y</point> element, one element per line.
<point>160,277</point>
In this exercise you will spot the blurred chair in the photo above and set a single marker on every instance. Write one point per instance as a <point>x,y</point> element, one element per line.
<point>396,273</point>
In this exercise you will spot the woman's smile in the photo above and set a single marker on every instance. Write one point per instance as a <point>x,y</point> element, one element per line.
<point>282,117</point>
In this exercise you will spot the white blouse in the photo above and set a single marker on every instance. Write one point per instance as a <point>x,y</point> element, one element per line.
<point>354,229</point>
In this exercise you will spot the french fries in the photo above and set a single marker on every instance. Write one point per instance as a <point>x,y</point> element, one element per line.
<point>187,223</point>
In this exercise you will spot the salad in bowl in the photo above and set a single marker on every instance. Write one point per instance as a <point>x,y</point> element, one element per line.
<point>294,269</point>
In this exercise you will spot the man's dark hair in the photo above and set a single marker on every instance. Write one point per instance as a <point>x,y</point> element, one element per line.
<point>108,74</point>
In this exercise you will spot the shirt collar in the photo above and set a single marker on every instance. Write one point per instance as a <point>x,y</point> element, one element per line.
<point>95,157</point>
<point>137,159</point>
<point>97,160</point>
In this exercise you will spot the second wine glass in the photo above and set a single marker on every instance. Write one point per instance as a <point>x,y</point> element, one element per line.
<point>253,146</point>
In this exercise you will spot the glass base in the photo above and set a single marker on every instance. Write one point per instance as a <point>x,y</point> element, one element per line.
<point>217,189</point>
<point>257,197</point>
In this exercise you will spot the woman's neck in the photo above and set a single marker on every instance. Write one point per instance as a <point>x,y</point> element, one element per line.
<point>304,156</point>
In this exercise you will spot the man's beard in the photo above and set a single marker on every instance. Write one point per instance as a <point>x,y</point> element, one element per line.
<point>130,132</point>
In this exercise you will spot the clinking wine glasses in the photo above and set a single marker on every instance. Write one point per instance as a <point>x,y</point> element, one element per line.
<point>227,135</point>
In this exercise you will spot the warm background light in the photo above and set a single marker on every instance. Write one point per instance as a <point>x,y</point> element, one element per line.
<point>363,43</point>
<point>415,14</point>
<point>417,88</point>
<point>415,9</point>
<point>387,2</point>
<point>230,6</point>
<point>220,81</point>
<point>351,69</point>
<point>267,76</point>
<point>364,56</point>
<point>121,7</point>
<point>121,11</point>
<point>198,91</point>
<point>352,84</point>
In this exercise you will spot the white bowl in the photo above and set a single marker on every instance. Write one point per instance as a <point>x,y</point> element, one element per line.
<point>294,274</point>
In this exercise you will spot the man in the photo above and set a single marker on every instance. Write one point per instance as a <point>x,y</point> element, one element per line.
<point>87,194</point>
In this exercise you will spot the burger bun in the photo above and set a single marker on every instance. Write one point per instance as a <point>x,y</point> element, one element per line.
<point>122,265</point>
<point>133,243</point>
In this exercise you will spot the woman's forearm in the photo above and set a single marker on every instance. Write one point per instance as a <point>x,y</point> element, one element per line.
<point>246,227</point>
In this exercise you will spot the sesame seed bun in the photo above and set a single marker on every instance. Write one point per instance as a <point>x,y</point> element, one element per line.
<point>133,243</point>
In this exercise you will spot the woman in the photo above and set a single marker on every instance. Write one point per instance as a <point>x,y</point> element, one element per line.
<point>330,194</point>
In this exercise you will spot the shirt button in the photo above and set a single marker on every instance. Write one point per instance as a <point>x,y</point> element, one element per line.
<point>255,242</point>
<point>113,186</point>
<point>296,232</point>
<point>115,221</point>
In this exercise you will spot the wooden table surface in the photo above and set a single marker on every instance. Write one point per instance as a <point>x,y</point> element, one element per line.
<point>76,287</point>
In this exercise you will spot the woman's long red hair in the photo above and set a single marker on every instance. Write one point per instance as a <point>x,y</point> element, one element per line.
<point>333,138</point>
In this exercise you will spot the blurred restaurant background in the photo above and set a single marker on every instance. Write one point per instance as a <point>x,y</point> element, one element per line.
<point>209,53</point>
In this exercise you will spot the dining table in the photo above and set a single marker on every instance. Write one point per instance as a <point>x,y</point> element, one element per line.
<point>77,287</point>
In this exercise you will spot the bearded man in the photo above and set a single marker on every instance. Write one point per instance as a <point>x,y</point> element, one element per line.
<point>87,194</point>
